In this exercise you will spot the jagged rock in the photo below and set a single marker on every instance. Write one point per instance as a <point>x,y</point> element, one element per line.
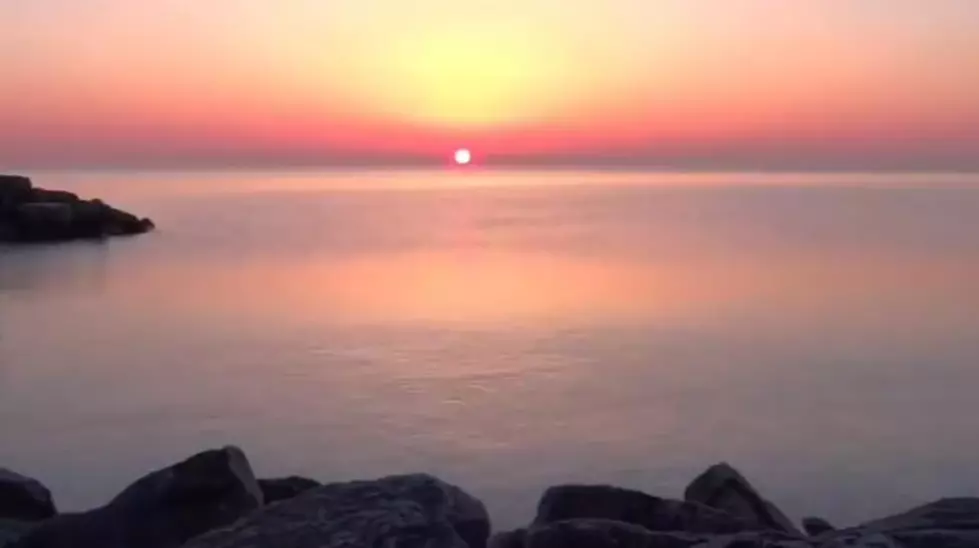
<point>394,512</point>
<point>275,490</point>
<point>605,533</point>
<point>625,505</point>
<point>23,498</point>
<point>724,488</point>
<point>815,527</point>
<point>163,509</point>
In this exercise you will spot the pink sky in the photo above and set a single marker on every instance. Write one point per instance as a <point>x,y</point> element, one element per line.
<point>799,84</point>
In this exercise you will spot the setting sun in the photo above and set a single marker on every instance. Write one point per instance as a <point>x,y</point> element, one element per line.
<point>463,156</point>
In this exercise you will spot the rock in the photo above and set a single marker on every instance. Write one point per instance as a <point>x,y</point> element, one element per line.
<point>625,505</point>
<point>394,512</point>
<point>23,498</point>
<point>605,533</point>
<point>724,488</point>
<point>937,538</point>
<point>53,196</point>
<point>509,539</point>
<point>12,530</point>
<point>31,214</point>
<point>873,540</point>
<point>815,527</point>
<point>14,189</point>
<point>946,523</point>
<point>278,489</point>
<point>948,513</point>
<point>756,539</point>
<point>163,509</point>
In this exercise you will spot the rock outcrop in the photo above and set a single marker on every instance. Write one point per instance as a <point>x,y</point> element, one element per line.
<point>724,488</point>
<point>395,512</point>
<point>570,502</point>
<point>164,509</point>
<point>816,526</point>
<point>30,214</point>
<point>23,498</point>
<point>212,500</point>
<point>279,489</point>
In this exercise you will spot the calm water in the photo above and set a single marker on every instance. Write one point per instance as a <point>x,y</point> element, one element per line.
<point>508,332</point>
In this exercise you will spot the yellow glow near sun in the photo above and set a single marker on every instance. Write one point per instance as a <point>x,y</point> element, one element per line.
<point>469,77</point>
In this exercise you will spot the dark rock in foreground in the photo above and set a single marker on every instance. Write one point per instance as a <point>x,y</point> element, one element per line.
<point>413,511</point>
<point>30,214</point>
<point>163,509</point>
<point>816,526</point>
<point>724,488</point>
<point>279,489</point>
<point>213,500</point>
<point>603,533</point>
<point>23,498</point>
<point>624,505</point>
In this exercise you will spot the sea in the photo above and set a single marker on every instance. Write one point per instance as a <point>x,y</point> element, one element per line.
<point>508,331</point>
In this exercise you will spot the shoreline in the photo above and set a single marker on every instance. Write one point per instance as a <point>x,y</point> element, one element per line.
<point>213,499</point>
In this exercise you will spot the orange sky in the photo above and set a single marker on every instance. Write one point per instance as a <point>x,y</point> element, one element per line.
<point>692,83</point>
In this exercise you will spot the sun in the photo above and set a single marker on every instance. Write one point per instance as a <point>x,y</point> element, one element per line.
<point>462,156</point>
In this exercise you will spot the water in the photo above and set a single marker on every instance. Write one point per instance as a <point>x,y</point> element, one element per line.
<point>509,331</point>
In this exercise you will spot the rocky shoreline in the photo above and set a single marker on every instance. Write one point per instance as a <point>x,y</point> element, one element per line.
<point>32,214</point>
<point>213,500</point>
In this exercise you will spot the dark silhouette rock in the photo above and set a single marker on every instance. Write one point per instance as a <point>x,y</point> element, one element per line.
<point>14,189</point>
<point>278,489</point>
<point>724,488</point>
<point>949,513</point>
<point>816,526</point>
<point>394,512</point>
<point>945,523</point>
<point>164,509</point>
<point>605,533</point>
<point>53,196</point>
<point>509,539</point>
<point>23,498</point>
<point>625,505</point>
<point>31,214</point>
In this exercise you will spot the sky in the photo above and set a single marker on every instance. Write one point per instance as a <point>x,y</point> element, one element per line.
<point>691,84</point>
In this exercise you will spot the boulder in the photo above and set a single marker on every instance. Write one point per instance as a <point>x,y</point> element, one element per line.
<point>23,498</point>
<point>815,527</point>
<point>653,513</point>
<point>605,533</point>
<point>14,189</point>
<point>275,490</point>
<point>395,512</point>
<point>163,509</point>
<point>724,488</point>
